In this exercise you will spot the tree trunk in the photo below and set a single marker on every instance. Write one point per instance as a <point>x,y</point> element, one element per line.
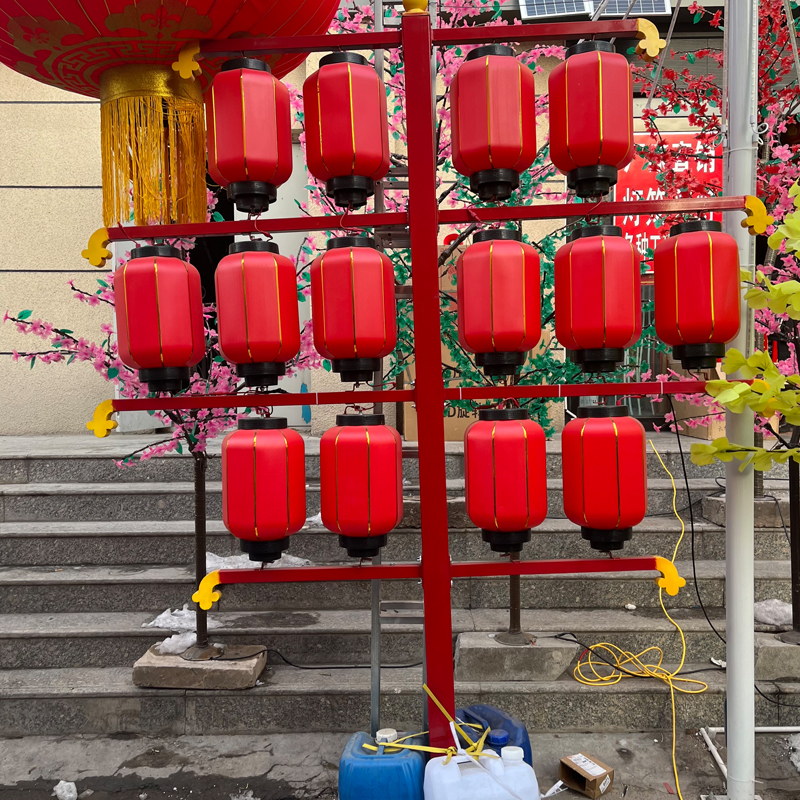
<point>794,530</point>
<point>200,464</point>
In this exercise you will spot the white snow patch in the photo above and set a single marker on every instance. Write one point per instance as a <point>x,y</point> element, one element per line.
<point>773,612</point>
<point>314,522</point>
<point>248,795</point>
<point>65,790</point>
<point>794,750</point>
<point>177,644</point>
<point>214,562</point>
<point>184,619</point>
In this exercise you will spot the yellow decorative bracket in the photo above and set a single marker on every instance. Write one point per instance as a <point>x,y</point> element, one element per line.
<point>670,579</point>
<point>101,422</point>
<point>651,43</point>
<point>186,65</point>
<point>756,218</point>
<point>206,595</point>
<point>415,6</point>
<point>96,251</point>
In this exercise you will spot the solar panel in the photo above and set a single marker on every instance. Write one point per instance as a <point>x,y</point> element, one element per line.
<point>530,9</point>
<point>642,8</point>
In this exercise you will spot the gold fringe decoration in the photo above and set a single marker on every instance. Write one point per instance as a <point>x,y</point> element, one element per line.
<point>154,146</point>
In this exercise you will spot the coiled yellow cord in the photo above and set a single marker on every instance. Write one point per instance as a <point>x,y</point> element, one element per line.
<point>608,672</point>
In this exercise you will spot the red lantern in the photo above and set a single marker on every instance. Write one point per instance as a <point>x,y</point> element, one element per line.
<point>259,326</point>
<point>604,474</point>
<point>499,307</point>
<point>159,310</point>
<point>352,294</point>
<point>591,117</point>
<point>506,482</point>
<point>493,118</point>
<point>598,297</point>
<point>263,486</point>
<point>697,289</point>
<point>361,481</point>
<point>249,133</point>
<point>347,129</point>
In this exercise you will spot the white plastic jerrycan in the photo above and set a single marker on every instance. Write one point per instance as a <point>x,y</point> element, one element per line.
<point>503,778</point>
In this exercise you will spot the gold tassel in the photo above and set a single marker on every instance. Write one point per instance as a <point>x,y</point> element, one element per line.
<point>154,147</point>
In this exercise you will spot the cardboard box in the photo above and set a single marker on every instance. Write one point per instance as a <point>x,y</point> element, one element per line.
<point>585,774</point>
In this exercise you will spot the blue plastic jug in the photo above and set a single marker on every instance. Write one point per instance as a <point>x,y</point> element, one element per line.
<point>367,775</point>
<point>498,721</point>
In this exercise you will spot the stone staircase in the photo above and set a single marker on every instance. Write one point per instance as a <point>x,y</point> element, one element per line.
<point>91,553</point>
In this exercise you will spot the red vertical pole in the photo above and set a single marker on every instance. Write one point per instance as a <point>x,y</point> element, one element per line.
<point>424,225</point>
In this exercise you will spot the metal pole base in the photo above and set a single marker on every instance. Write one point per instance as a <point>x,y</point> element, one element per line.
<point>520,639</point>
<point>208,653</point>
<point>790,637</point>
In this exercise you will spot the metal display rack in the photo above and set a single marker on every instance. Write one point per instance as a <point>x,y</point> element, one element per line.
<point>417,39</point>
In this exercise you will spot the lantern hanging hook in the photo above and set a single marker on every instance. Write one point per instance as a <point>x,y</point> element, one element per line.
<point>255,220</point>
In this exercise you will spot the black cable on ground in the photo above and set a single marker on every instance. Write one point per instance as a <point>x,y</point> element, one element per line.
<point>315,667</point>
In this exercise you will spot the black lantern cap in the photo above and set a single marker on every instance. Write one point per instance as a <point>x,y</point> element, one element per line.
<point>694,225</point>
<point>490,50</point>
<point>594,412</point>
<point>595,230</point>
<point>502,414</point>
<point>350,241</point>
<point>155,251</point>
<point>497,233</point>
<point>356,420</point>
<point>342,58</point>
<point>245,63</point>
<point>262,423</point>
<point>590,46</point>
<point>253,246</point>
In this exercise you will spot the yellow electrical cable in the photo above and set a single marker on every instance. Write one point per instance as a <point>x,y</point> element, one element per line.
<point>634,663</point>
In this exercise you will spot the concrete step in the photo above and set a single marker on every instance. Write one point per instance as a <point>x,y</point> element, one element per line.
<point>159,542</point>
<point>104,701</point>
<point>21,502</point>
<point>28,590</point>
<point>46,641</point>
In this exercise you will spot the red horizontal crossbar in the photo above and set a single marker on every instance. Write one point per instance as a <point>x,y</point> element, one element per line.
<point>323,43</point>
<point>348,572</point>
<point>567,566</point>
<point>577,390</point>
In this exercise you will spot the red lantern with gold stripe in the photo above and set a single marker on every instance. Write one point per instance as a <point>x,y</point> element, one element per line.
<point>352,296</point>
<point>249,133</point>
<point>604,474</point>
<point>499,304</point>
<point>598,297</point>
<point>697,289</point>
<point>506,482</point>
<point>159,311</point>
<point>347,129</point>
<point>263,486</point>
<point>361,482</point>
<point>591,117</point>
<point>257,317</point>
<point>493,120</point>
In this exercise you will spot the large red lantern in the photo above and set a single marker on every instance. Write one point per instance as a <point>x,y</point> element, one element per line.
<point>697,288</point>
<point>347,129</point>
<point>257,317</point>
<point>604,474</point>
<point>493,120</point>
<point>499,305</point>
<point>598,297</point>
<point>591,117</point>
<point>361,482</point>
<point>249,125</point>
<point>263,486</point>
<point>126,52</point>
<point>159,311</point>
<point>506,481</point>
<point>352,296</point>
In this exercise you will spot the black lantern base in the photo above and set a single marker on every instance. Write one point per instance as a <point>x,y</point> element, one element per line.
<point>252,197</point>
<point>592,181</point>
<point>165,379</point>
<point>362,546</point>
<point>605,359</point>
<point>262,373</point>
<point>354,370</point>
<point>606,540</point>
<point>494,184</point>
<point>264,551</point>
<point>350,191</point>
<point>698,356</point>
<point>498,364</point>
<point>506,541</point>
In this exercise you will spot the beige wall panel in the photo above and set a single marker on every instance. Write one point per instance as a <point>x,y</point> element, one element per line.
<point>50,145</point>
<point>14,86</point>
<point>48,229</point>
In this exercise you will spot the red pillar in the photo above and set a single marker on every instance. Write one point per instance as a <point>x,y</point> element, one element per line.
<point>424,225</point>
